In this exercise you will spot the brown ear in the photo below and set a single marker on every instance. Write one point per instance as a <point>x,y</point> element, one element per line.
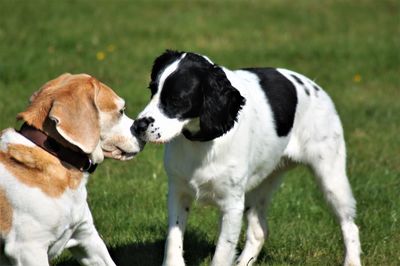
<point>75,114</point>
<point>40,102</point>
<point>50,85</point>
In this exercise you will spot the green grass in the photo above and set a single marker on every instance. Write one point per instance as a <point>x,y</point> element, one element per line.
<point>334,42</point>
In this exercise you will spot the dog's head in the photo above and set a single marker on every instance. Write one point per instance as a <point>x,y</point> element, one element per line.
<point>189,95</point>
<point>82,113</point>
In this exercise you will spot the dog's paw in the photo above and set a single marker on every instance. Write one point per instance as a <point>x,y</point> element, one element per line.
<point>352,261</point>
<point>174,262</point>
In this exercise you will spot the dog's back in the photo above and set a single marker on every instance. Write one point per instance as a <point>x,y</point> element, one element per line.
<point>299,109</point>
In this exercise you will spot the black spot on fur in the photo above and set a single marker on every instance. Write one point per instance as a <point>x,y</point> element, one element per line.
<point>230,242</point>
<point>281,95</point>
<point>316,88</point>
<point>298,80</point>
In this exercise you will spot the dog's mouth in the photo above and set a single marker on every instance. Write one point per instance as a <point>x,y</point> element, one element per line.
<point>159,142</point>
<point>119,154</point>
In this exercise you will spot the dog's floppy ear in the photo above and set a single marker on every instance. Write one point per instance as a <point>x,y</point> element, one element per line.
<point>69,101</point>
<point>40,102</point>
<point>50,85</point>
<point>76,116</point>
<point>222,103</point>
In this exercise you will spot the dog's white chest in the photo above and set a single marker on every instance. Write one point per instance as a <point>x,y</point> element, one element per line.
<point>210,172</point>
<point>196,168</point>
<point>71,216</point>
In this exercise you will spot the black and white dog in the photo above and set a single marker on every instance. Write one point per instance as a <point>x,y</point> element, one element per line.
<point>230,136</point>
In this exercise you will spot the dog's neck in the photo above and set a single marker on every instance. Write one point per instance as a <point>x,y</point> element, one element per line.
<point>75,158</point>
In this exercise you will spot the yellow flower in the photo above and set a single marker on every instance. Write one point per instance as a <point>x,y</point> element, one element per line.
<point>111,48</point>
<point>101,55</point>
<point>357,78</point>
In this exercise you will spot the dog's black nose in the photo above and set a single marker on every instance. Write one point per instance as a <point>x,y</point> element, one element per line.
<point>141,125</point>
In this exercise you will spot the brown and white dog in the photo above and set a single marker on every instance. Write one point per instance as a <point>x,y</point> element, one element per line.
<point>71,124</point>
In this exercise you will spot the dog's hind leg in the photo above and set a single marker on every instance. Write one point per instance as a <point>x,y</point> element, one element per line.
<point>257,202</point>
<point>327,160</point>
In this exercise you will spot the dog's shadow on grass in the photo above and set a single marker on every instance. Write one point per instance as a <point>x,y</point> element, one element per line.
<point>151,254</point>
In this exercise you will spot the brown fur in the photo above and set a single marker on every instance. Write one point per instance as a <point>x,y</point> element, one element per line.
<point>37,168</point>
<point>6,213</point>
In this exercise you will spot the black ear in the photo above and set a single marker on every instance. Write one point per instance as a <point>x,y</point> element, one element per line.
<point>222,103</point>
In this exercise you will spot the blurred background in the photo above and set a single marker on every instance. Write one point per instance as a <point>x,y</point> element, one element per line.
<point>350,48</point>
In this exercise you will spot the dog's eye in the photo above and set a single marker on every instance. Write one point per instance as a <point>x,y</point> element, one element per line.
<point>122,111</point>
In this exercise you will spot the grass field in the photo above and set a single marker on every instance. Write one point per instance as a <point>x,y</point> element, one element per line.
<point>351,48</point>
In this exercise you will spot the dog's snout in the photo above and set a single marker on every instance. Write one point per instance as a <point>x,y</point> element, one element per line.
<point>141,125</point>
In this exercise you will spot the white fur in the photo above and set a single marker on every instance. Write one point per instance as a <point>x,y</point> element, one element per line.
<point>243,167</point>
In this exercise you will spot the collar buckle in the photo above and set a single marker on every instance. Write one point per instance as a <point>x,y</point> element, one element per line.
<point>89,166</point>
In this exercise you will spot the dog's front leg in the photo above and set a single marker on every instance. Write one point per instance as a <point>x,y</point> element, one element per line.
<point>87,246</point>
<point>231,221</point>
<point>178,208</point>
<point>25,254</point>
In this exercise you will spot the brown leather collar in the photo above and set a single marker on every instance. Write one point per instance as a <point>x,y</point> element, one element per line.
<point>77,159</point>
